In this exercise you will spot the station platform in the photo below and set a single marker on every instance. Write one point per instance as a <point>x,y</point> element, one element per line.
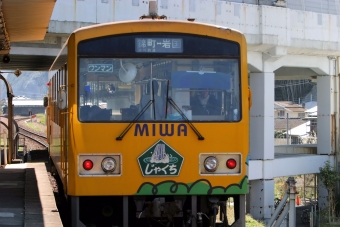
<point>26,197</point>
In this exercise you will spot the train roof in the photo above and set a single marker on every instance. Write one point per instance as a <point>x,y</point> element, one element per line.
<point>156,21</point>
<point>61,58</point>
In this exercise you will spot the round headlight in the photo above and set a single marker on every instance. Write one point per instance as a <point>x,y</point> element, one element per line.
<point>211,164</point>
<point>109,164</point>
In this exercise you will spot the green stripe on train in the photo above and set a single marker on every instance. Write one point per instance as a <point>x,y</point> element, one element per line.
<point>199,187</point>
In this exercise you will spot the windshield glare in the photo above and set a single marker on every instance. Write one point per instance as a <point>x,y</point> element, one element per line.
<point>118,90</point>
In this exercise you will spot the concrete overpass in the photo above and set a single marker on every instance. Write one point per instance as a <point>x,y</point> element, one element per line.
<point>283,43</point>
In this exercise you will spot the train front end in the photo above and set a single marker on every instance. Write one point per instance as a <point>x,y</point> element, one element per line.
<point>157,124</point>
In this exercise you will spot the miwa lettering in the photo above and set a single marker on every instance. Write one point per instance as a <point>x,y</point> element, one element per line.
<point>161,130</point>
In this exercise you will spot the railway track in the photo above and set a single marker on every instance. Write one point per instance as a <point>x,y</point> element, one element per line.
<point>33,136</point>
<point>33,140</point>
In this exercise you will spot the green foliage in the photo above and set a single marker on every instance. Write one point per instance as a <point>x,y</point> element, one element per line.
<point>41,118</point>
<point>279,187</point>
<point>280,133</point>
<point>251,222</point>
<point>329,176</point>
<point>39,125</point>
<point>32,126</point>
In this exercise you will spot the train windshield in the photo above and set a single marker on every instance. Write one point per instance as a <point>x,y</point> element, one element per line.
<point>122,90</point>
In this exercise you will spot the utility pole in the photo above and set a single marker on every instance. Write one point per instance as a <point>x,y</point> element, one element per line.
<point>287,128</point>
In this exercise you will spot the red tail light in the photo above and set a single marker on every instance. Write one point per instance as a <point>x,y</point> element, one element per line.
<point>231,163</point>
<point>87,164</point>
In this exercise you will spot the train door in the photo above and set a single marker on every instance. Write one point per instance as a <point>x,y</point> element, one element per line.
<point>63,123</point>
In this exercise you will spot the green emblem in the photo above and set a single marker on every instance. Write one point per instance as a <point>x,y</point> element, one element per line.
<point>160,160</point>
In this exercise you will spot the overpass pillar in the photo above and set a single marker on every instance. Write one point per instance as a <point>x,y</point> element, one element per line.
<point>325,115</point>
<point>261,194</point>
<point>328,120</point>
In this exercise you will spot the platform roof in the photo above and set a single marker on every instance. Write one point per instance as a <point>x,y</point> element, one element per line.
<point>22,21</point>
<point>27,20</point>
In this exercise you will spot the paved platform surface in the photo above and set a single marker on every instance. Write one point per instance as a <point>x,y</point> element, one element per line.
<point>26,197</point>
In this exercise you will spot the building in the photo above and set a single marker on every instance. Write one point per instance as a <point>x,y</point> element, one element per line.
<point>282,108</point>
<point>25,106</point>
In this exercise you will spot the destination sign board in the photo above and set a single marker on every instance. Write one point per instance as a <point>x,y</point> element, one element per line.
<point>159,45</point>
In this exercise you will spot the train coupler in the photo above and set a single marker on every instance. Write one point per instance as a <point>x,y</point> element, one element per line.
<point>158,208</point>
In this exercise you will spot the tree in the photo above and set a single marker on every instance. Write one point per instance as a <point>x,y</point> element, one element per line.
<point>280,133</point>
<point>329,176</point>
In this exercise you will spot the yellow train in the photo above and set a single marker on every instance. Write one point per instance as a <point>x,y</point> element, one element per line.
<point>148,124</point>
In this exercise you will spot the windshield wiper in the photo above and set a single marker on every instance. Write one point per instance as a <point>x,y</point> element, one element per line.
<point>121,136</point>
<point>200,137</point>
<point>172,102</point>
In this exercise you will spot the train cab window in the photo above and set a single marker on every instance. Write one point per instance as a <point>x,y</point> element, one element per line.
<point>122,90</point>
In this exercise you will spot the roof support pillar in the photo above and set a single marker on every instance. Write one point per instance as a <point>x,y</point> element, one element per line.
<point>10,120</point>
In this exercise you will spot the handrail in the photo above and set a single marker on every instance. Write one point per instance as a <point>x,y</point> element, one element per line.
<point>278,209</point>
<point>282,216</point>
